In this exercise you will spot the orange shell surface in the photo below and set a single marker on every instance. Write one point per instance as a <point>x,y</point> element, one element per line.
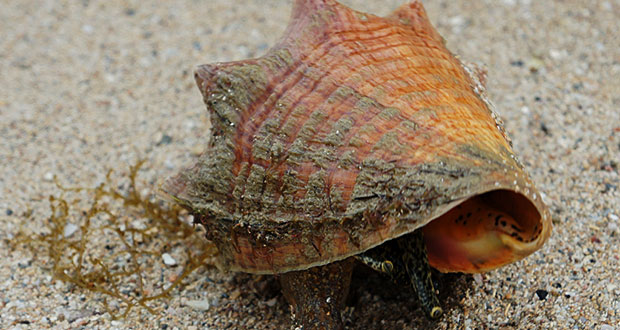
<point>352,130</point>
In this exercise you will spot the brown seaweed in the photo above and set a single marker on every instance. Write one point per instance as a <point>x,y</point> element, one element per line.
<point>118,272</point>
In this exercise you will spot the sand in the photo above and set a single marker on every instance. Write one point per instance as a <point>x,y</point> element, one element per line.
<point>89,86</point>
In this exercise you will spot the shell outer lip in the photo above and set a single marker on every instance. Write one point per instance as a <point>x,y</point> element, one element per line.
<point>233,263</point>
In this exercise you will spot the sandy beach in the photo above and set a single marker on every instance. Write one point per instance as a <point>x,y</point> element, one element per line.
<point>89,86</point>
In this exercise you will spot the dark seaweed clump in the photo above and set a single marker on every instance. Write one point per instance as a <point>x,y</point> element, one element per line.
<point>117,271</point>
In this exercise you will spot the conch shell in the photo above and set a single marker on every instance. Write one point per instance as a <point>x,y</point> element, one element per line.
<point>353,130</point>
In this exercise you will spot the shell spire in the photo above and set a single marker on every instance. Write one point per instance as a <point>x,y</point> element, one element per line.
<point>414,15</point>
<point>351,131</point>
<point>303,8</point>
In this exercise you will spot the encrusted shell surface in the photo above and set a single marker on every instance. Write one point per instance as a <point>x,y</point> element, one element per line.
<point>352,130</point>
